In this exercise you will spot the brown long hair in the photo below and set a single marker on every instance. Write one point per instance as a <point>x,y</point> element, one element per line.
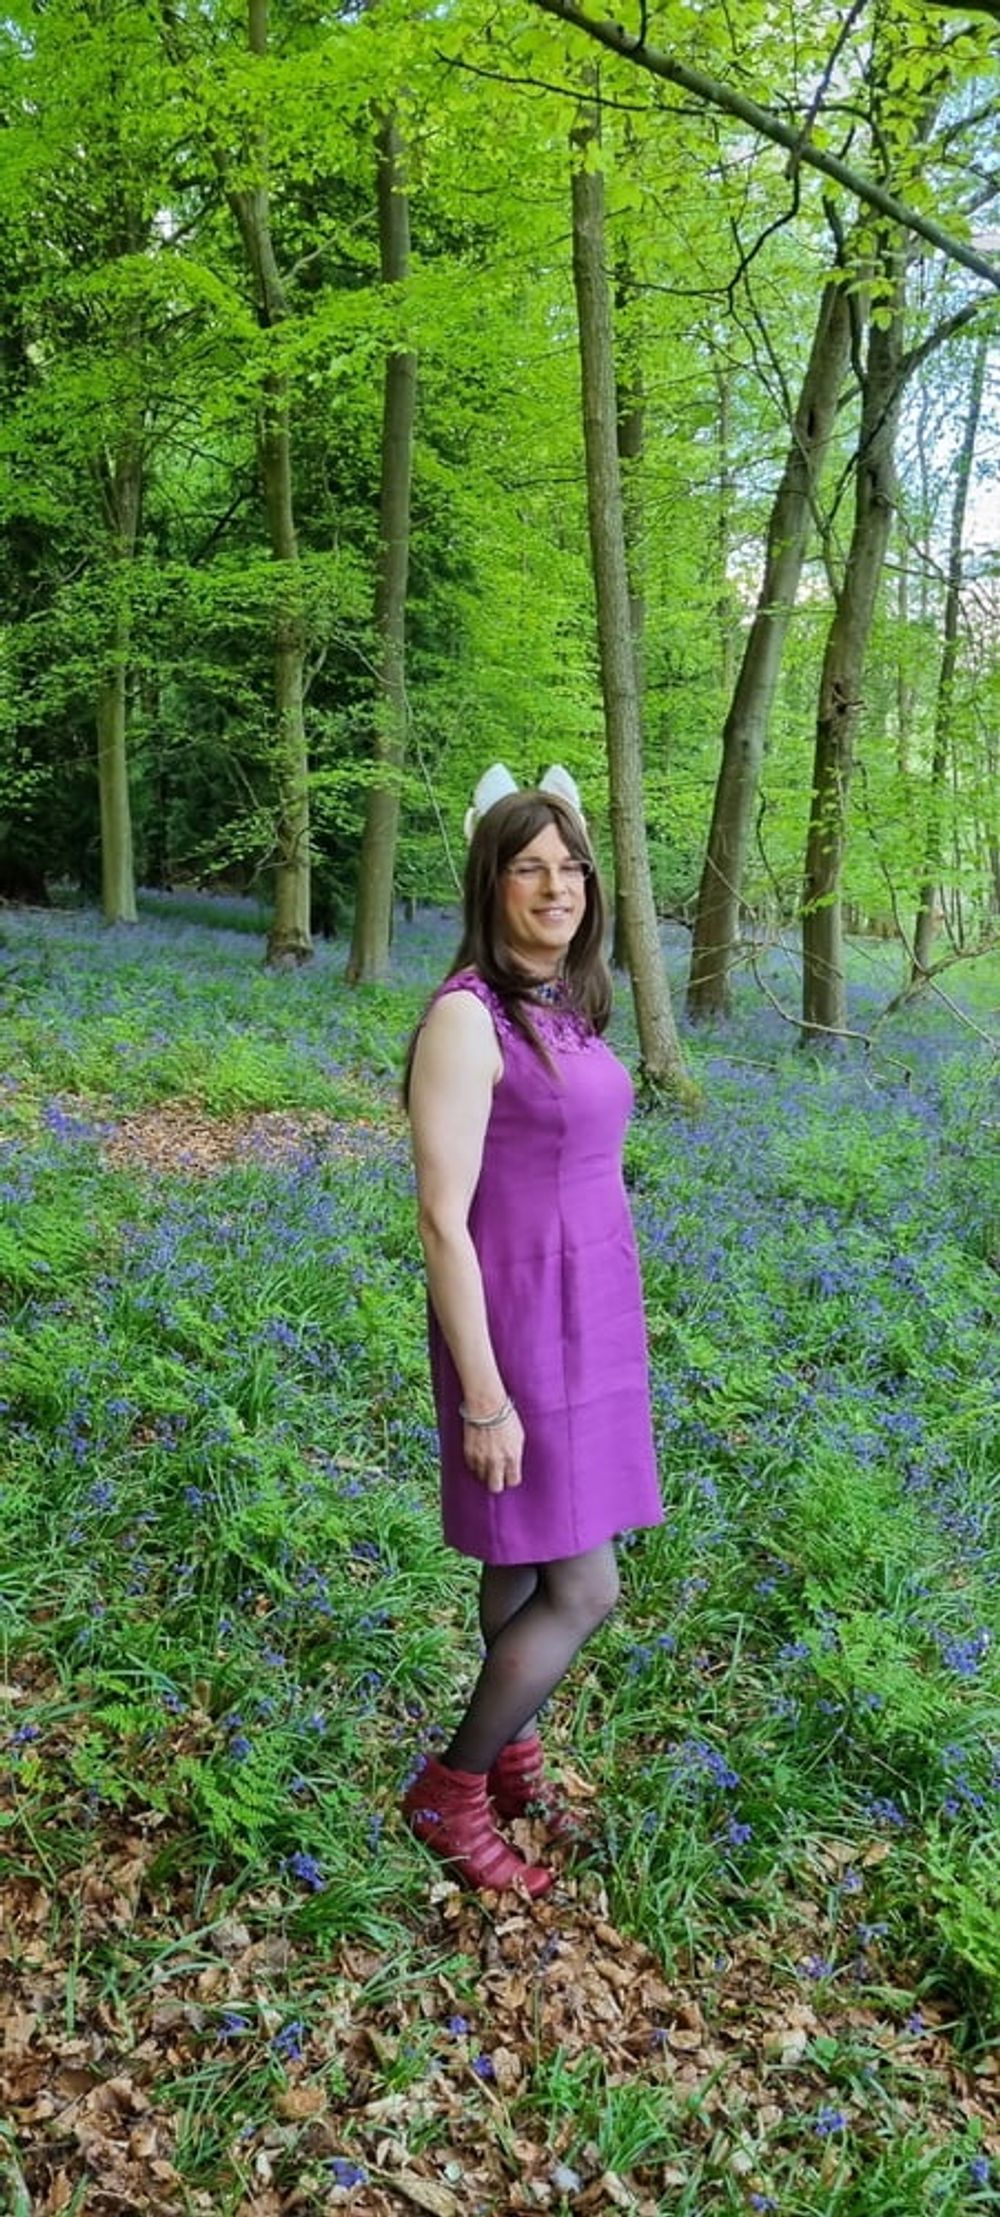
<point>500,834</point>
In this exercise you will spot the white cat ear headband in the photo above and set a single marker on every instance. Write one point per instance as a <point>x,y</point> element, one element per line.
<point>496,783</point>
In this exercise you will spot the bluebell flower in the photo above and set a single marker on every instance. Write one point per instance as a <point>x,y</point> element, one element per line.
<point>963,1656</point>
<point>979,2170</point>
<point>457,2026</point>
<point>345,2173</point>
<point>289,2042</point>
<point>738,1834</point>
<point>794,1651</point>
<point>695,1759</point>
<point>483,2066</point>
<point>884,1811</point>
<point>829,2120</point>
<point>305,1868</point>
<point>231,2026</point>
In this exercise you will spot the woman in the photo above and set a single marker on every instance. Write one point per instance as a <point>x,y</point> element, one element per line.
<point>537,1342</point>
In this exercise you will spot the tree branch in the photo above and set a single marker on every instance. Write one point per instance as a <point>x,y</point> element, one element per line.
<point>715,94</point>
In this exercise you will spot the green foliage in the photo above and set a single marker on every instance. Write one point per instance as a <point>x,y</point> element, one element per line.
<point>966,1896</point>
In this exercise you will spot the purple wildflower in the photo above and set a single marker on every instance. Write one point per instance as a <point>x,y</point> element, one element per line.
<point>884,1811</point>
<point>305,1868</point>
<point>345,2173</point>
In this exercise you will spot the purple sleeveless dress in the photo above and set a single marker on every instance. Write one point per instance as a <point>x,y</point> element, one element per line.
<point>551,1227</point>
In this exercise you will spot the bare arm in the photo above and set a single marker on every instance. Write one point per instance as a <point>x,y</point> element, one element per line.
<point>455,1068</point>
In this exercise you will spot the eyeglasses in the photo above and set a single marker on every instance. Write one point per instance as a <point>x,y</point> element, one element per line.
<point>532,873</point>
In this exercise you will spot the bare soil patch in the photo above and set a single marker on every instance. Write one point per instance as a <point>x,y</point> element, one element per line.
<point>178,1138</point>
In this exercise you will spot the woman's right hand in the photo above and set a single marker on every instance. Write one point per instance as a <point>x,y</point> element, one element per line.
<point>493,1452</point>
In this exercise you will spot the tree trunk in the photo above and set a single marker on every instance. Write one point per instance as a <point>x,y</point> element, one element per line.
<point>290,938</point>
<point>906,690</point>
<point>991,840</point>
<point>120,481</point>
<point>117,870</point>
<point>923,935</point>
<point>824,1001</point>
<point>724,607</point>
<point>631,436</point>
<point>369,957</point>
<point>744,737</point>
<point>662,1062</point>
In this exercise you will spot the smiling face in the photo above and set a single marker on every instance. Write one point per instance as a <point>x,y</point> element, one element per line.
<point>541,903</point>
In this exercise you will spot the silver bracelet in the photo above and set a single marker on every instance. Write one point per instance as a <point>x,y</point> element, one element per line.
<point>486,1423</point>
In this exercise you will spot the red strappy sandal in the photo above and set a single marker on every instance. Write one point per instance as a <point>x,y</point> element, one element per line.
<point>450,1812</point>
<point>519,1788</point>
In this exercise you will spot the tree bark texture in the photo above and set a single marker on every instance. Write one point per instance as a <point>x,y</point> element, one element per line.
<point>369,956</point>
<point>121,495</point>
<point>923,935</point>
<point>662,1062</point>
<point>744,737</point>
<point>824,1002</point>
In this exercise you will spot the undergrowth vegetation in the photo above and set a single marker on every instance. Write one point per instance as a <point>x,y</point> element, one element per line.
<point>229,1623</point>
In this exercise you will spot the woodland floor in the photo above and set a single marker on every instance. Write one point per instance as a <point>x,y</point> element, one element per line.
<point>88,2059</point>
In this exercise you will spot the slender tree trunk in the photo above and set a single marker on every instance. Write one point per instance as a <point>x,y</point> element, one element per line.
<point>369,957</point>
<point>117,868</point>
<point>725,612</point>
<point>662,1062</point>
<point>631,435</point>
<point>121,493</point>
<point>923,935</point>
<point>824,1002</point>
<point>744,736</point>
<point>991,838</point>
<point>290,939</point>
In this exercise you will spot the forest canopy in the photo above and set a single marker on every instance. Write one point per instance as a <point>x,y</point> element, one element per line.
<point>389,391</point>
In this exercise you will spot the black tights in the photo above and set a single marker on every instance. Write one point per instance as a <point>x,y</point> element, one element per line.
<point>533,1622</point>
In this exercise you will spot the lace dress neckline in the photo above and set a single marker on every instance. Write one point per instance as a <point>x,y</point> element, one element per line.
<point>556,1022</point>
